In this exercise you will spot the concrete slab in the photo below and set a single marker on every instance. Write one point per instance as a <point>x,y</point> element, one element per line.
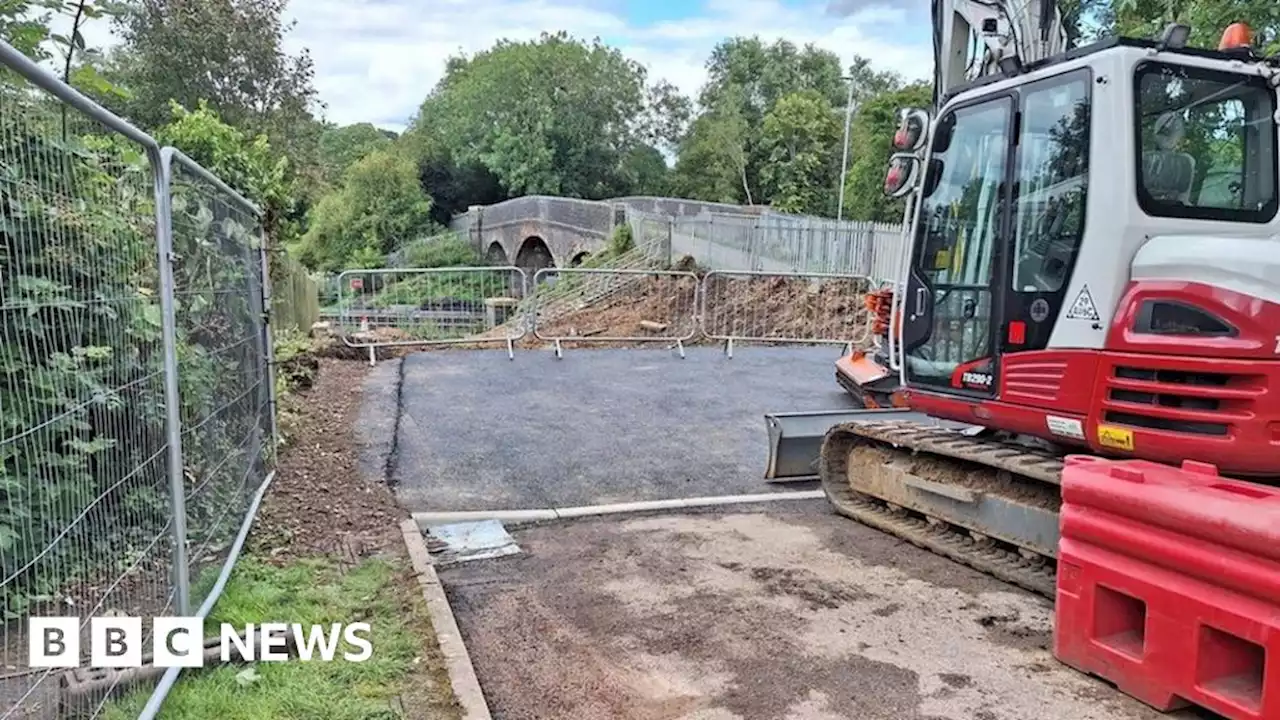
<point>480,432</point>
<point>783,613</point>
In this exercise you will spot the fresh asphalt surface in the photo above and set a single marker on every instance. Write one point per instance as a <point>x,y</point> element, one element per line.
<point>481,432</point>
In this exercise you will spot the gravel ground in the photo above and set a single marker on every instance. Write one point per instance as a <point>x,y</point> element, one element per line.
<point>784,612</point>
<point>478,431</point>
<point>321,501</point>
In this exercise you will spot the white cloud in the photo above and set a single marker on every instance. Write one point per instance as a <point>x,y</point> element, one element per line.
<point>377,59</point>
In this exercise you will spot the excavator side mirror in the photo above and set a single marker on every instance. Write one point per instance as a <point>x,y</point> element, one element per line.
<point>932,177</point>
<point>904,170</point>
<point>913,130</point>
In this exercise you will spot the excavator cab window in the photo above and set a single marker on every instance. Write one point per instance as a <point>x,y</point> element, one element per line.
<point>1207,144</point>
<point>1051,181</point>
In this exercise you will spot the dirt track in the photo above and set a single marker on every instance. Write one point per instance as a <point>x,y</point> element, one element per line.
<point>787,613</point>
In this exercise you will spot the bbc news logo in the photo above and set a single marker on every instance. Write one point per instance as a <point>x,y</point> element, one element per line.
<point>118,642</point>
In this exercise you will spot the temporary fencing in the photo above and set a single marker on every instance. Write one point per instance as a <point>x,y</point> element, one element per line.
<point>669,299</point>
<point>391,307</point>
<point>772,307</point>
<point>788,243</point>
<point>137,428</point>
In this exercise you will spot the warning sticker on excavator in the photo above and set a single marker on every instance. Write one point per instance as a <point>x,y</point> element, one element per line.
<point>1082,308</point>
<point>1114,437</point>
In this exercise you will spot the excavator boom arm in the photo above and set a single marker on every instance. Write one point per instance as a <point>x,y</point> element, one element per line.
<point>972,37</point>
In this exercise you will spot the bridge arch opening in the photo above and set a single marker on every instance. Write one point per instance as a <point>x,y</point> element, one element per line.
<point>495,255</point>
<point>579,259</point>
<point>534,255</point>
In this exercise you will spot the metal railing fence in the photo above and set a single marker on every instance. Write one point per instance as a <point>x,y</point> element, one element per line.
<point>775,243</point>
<point>137,426</point>
<point>669,299</point>
<point>390,307</point>
<point>756,306</point>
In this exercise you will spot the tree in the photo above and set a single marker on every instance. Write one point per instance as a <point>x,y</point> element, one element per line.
<point>871,135</point>
<point>379,208</point>
<point>453,186</point>
<point>22,28</point>
<point>801,136</point>
<point>665,117</point>
<point>645,171</point>
<point>342,146</point>
<point>228,53</point>
<point>766,73</point>
<point>550,116</point>
<point>1090,19</point>
<point>868,82</point>
<point>746,79</point>
<point>713,161</point>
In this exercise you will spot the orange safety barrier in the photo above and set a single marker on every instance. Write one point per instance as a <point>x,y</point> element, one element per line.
<point>1169,584</point>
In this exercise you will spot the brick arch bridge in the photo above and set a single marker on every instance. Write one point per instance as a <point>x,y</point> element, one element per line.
<point>538,231</point>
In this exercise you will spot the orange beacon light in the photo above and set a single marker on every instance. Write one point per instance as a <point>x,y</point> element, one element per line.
<point>1237,35</point>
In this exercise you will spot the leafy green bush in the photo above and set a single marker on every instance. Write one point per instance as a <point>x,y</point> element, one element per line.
<point>249,165</point>
<point>622,240</point>
<point>440,251</point>
<point>380,205</point>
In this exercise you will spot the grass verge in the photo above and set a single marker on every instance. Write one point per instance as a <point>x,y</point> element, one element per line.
<point>380,591</point>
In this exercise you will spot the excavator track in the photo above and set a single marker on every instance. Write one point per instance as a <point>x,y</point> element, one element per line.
<point>985,503</point>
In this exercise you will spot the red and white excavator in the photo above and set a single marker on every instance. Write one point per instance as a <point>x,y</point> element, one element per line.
<point>1091,264</point>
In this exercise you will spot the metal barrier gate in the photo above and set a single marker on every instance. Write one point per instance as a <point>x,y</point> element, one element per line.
<point>392,307</point>
<point>758,306</point>
<point>670,296</point>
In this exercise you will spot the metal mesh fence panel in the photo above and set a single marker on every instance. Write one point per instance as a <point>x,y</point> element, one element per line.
<point>135,359</point>
<point>785,307</point>
<point>390,307</point>
<point>85,523</point>
<point>224,376</point>
<point>623,305</point>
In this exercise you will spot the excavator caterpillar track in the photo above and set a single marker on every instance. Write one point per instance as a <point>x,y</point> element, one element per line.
<point>989,504</point>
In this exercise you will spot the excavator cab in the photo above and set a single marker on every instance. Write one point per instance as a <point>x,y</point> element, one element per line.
<point>1090,264</point>
<point>1063,215</point>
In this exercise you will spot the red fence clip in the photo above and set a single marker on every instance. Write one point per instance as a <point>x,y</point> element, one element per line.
<point>1169,585</point>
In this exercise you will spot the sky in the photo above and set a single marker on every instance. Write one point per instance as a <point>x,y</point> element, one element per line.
<point>376,60</point>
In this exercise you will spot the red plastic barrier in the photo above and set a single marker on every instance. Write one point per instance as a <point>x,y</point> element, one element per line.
<point>1169,584</point>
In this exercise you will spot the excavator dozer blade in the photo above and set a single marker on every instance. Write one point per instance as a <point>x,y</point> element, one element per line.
<point>795,438</point>
<point>988,504</point>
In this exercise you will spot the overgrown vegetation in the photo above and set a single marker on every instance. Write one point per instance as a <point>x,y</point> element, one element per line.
<point>446,250</point>
<point>84,487</point>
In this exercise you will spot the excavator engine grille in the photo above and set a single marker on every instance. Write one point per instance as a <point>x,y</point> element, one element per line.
<point>1187,401</point>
